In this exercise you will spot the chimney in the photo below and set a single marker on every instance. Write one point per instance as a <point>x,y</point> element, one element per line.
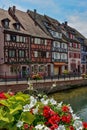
<point>65,23</point>
<point>35,11</point>
<point>14,8</point>
<point>28,11</point>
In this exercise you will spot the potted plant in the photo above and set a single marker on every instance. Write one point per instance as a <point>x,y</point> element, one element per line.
<point>29,112</point>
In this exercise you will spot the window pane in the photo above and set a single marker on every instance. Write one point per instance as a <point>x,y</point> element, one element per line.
<point>12,53</point>
<point>21,53</point>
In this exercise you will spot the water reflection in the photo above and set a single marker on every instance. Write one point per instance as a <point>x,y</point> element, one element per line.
<point>77,98</point>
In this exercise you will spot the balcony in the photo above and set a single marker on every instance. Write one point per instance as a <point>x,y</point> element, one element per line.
<point>59,60</point>
<point>59,49</point>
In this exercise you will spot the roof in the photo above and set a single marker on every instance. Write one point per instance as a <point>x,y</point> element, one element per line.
<point>54,23</point>
<point>39,20</point>
<point>4,14</point>
<point>29,25</point>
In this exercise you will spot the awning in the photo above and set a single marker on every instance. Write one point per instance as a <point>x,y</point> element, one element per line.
<point>59,63</point>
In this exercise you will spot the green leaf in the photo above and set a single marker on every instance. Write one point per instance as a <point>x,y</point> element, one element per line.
<point>28,117</point>
<point>15,108</point>
<point>6,118</point>
<point>4,102</point>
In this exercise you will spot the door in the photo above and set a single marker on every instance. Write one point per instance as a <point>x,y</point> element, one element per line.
<point>24,71</point>
<point>49,70</point>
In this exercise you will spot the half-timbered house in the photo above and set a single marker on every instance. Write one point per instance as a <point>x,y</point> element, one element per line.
<point>26,48</point>
<point>74,49</point>
<point>59,46</point>
<point>14,45</point>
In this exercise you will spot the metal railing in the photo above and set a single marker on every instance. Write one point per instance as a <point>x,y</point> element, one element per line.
<point>63,77</point>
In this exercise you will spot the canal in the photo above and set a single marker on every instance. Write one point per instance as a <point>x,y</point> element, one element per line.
<point>77,98</point>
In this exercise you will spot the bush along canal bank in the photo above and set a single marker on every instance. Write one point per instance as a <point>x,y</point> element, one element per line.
<point>49,86</point>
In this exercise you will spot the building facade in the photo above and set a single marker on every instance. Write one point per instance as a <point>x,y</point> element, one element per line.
<point>31,43</point>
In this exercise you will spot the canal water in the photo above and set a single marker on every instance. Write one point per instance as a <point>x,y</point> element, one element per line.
<point>77,98</point>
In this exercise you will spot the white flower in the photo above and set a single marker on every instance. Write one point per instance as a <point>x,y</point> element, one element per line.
<point>26,108</point>
<point>19,124</point>
<point>53,102</point>
<point>33,101</point>
<point>61,127</point>
<point>35,111</point>
<point>70,109</point>
<point>78,125</point>
<point>60,105</point>
<point>75,117</point>
<point>45,102</point>
<point>30,86</point>
<point>41,127</point>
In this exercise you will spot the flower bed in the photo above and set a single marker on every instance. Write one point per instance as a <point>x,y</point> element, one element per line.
<point>37,76</point>
<point>29,112</point>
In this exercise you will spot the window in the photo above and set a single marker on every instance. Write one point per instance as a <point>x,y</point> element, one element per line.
<point>18,38</point>
<point>63,56</point>
<point>56,44</point>
<point>45,42</point>
<point>37,41</point>
<point>81,40</point>
<point>13,38</point>
<point>21,53</point>
<point>24,39</point>
<point>70,44</point>
<point>63,45</point>
<point>43,54</point>
<point>47,54</point>
<point>56,55</point>
<point>7,37</point>
<point>12,53</point>
<point>17,26</point>
<point>59,35</point>
<point>35,54</point>
<point>41,68</point>
<point>32,40</point>
<point>6,24</point>
<point>74,45</point>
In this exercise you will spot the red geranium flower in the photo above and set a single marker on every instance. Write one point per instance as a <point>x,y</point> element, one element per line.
<point>71,128</point>
<point>25,126</point>
<point>65,108</point>
<point>2,95</point>
<point>48,112</point>
<point>85,125</point>
<point>66,118</point>
<point>54,119</point>
<point>53,127</point>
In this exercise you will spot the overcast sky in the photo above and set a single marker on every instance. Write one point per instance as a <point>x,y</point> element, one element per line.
<point>72,11</point>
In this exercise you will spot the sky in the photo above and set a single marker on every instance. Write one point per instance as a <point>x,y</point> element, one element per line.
<point>72,11</point>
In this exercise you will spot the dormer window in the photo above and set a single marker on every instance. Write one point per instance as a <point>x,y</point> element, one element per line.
<point>17,26</point>
<point>5,22</point>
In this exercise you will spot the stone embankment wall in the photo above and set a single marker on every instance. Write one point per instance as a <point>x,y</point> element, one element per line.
<point>44,86</point>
